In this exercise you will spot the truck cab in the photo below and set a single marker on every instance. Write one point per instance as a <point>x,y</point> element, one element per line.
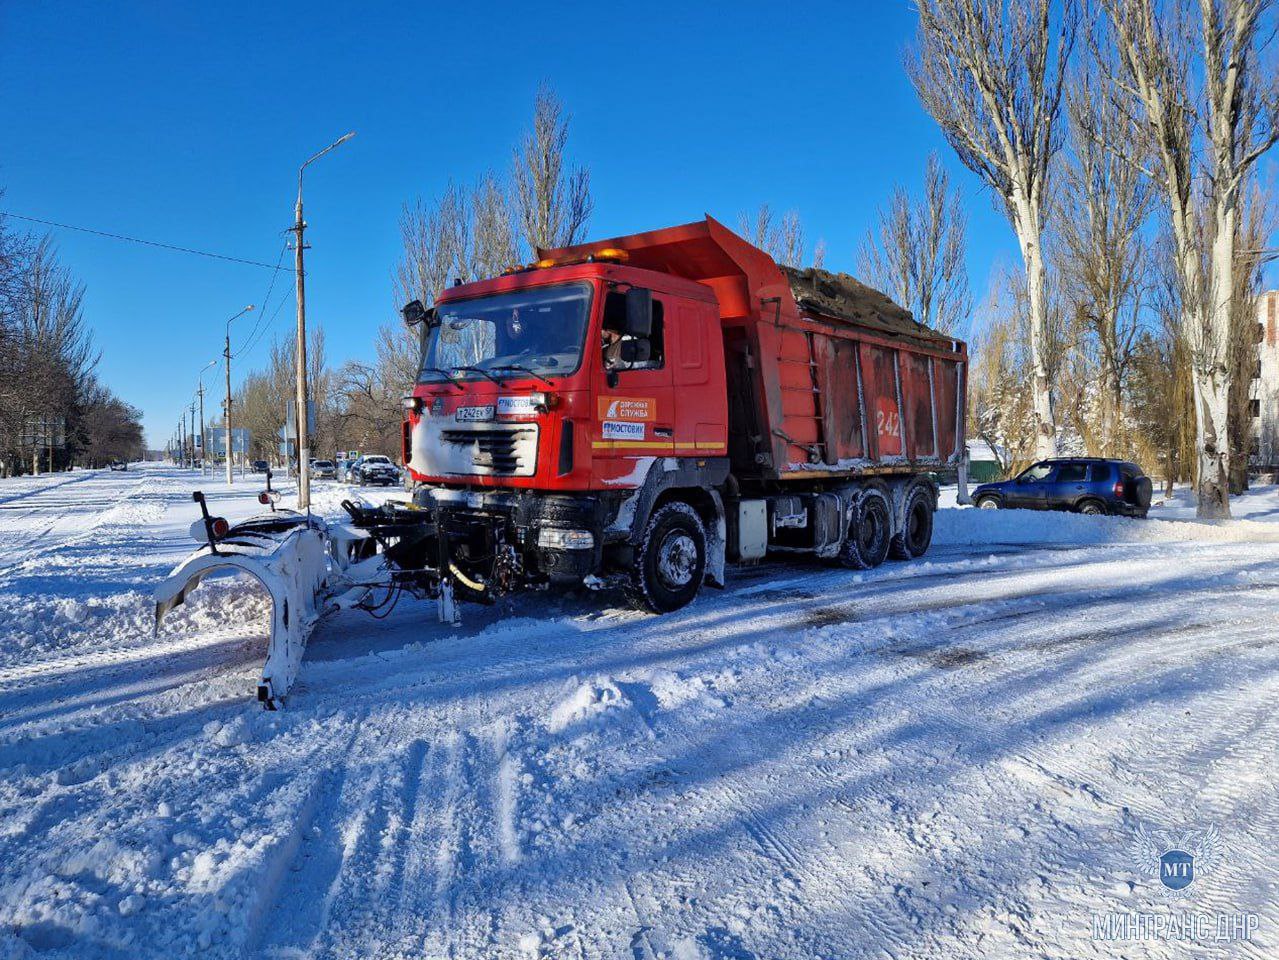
<point>546,396</point>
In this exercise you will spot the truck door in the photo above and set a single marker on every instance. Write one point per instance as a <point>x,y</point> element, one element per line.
<point>635,412</point>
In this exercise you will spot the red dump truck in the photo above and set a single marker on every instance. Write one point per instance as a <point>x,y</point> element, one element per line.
<point>638,411</point>
<point>646,408</point>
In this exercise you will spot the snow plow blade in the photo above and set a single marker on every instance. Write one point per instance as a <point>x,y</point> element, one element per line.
<point>287,554</point>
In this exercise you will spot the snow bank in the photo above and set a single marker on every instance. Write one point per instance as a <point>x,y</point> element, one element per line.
<point>962,526</point>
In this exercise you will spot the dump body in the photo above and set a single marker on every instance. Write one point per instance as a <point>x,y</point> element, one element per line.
<point>824,376</point>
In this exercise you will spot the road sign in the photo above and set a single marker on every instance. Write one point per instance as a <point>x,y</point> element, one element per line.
<point>240,437</point>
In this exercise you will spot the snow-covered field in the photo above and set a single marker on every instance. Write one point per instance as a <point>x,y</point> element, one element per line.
<point>958,757</point>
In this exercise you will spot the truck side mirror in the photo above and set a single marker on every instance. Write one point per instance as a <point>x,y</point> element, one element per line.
<point>414,313</point>
<point>639,312</point>
<point>634,351</point>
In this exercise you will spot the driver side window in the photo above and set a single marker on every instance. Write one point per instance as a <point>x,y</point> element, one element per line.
<point>1037,473</point>
<point>612,341</point>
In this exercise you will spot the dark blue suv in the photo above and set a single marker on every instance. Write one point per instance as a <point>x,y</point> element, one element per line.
<point>1083,484</point>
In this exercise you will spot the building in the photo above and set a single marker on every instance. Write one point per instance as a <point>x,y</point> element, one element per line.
<point>1264,389</point>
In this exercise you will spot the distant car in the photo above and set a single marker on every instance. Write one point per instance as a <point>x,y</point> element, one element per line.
<point>374,469</point>
<point>1089,485</point>
<point>323,470</point>
<point>119,465</point>
<point>259,466</point>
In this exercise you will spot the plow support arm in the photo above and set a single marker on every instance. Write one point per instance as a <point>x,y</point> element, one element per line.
<point>291,565</point>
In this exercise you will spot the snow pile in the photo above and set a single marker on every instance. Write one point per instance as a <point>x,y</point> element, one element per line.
<point>587,705</point>
<point>969,526</point>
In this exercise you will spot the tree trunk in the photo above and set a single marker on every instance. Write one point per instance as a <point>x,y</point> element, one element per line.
<point>1211,370</point>
<point>1211,415</point>
<point>1111,403</point>
<point>1037,310</point>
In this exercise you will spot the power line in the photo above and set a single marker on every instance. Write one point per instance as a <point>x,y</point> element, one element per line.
<point>261,318</point>
<point>149,243</point>
<point>248,347</point>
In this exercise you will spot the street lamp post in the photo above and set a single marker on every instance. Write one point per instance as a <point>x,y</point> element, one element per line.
<point>227,413</point>
<point>191,433</point>
<point>304,450</point>
<point>204,440</point>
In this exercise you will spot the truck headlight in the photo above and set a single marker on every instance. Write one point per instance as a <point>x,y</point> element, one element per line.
<point>557,538</point>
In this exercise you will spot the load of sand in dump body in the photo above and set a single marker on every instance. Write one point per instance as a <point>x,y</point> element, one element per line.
<point>842,297</point>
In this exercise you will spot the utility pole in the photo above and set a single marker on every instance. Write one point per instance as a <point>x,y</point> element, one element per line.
<point>227,412</point>
<point>191,434</point>
<point>299,225</point>
<point>204,454</point>
<point>182,442</point>
<point>204,439</point>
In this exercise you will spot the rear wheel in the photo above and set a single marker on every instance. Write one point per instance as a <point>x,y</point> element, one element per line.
<point>867,543</point>
<point>670,561</point>
<point>1091,508</point>
<point>913,539</point>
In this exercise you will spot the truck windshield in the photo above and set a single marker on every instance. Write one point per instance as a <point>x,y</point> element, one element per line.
<point>539,331</point>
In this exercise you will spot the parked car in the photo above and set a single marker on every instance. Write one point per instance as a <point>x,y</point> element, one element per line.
<point>259,466</point>
<point>323,470</point>
<point>119,465</point>
<point>1090,485</point>
<point>374,468</point>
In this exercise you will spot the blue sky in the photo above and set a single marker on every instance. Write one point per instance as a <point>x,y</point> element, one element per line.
<point>185,123</point>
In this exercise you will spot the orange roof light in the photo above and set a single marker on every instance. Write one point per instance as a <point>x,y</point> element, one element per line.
<point>543,264</point>
<point>611,253</point>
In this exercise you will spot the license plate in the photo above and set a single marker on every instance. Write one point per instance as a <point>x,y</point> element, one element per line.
<point>472,414</point>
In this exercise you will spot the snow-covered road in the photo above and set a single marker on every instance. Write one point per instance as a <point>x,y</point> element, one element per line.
<point>950,758</point>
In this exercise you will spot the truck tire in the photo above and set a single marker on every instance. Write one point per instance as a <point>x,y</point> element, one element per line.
<point>670,561</point>
<point>867,543</point>
<point>916,534</point>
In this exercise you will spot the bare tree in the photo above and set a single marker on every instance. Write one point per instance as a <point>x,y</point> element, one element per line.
<point>783,239</point>
<point>1001,401</point>
<point>1160,387</point>
<point>434,239</point>
<point>917,252</point>
<point>491,244</point>
<point>553,205</point>
<point>1104,206</point>
<point>55,355</point>
<point>1190,73</point>
<point>991,73</point>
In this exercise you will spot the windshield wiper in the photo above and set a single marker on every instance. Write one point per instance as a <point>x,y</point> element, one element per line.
<point>513,366</point>
<point>483,373</point>
<point>447,376</point>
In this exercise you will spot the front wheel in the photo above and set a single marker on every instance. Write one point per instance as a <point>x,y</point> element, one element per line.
<point>670,561</point>
<point>988,503</point>
<point>913,539</point>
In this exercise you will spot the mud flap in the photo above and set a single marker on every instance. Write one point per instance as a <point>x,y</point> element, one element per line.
<point>291,565</point>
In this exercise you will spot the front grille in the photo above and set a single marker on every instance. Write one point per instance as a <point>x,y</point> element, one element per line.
<point>499,450</point>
